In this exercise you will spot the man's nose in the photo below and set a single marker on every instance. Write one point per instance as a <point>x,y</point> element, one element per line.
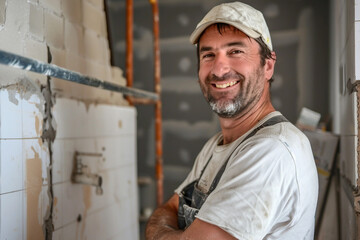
<point>221,66</point>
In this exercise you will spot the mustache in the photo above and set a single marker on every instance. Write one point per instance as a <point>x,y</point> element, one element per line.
<point>226,76</point>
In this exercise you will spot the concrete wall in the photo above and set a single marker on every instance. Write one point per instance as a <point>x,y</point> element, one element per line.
<point>43,121</point>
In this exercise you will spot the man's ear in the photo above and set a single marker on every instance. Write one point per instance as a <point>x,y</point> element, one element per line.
<point>269,66</point>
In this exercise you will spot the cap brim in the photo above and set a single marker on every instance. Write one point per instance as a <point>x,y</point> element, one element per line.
<point>194,37</point>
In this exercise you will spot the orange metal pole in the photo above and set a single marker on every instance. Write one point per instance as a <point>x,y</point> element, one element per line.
<point>129,44</point>
<point>158,117</point>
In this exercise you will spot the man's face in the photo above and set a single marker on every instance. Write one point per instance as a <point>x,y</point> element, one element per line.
<point>230,74</point>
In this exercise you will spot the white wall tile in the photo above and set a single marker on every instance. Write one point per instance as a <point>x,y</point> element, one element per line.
<point>58,235</point>
<point>348,158</point>
<point>348,111</point>
<point>58,206</point>
<point>357,48</point>
<point>357,10</point>
<point>72,231</point>
<point>72,202</point>
<point>68,161</point>
<point>11,175</point>
<point>347,218</point>
<point>58,161</point>
<point>11,216</point>
<point>74,120</point>
<point>11,115</point>
<point>32,118</point>
<point>35,157</point>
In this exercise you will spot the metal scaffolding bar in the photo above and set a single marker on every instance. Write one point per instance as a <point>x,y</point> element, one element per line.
<point>28,64</point>
<point>158,106</point>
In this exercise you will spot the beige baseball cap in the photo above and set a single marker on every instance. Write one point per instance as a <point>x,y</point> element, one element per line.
<point>240,15</point>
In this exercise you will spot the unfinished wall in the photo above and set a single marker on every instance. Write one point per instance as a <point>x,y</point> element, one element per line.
<point>344,70</point>
<point>43,121</point>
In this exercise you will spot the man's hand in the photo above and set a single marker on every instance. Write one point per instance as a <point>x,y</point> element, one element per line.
<point>162,225</point>
<point>163,222</point>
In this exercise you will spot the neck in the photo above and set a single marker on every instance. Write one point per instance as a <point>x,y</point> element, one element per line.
<point>233,128</point>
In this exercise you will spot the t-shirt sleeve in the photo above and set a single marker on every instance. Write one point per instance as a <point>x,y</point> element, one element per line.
<point>257,184</point>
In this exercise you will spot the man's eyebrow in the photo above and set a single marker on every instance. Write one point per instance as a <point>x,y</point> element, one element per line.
<point>231,44</point>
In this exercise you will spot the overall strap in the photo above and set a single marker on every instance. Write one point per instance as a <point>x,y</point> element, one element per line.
<point>270,122</point>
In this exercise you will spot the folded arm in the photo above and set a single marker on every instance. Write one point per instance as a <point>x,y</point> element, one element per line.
<point>163,225</point>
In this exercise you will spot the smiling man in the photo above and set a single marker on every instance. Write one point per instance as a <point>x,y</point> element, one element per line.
<point>256,179</point>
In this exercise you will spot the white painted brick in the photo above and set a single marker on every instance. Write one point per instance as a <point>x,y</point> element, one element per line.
<point>32,119</point>
<point>17,19</point>
<point>11,216</point>
<point>36,21</point>
<point>36,50</point>
<point>94,19</point>
<point>74,38</point>
<point>117,76</point>
<point>11,115</point>
<point>98,71</point>
<point>75,63</point>
<point>357,49</point>
<point>11,176</point>
<point>72,10</point>
<point>2,13</point>
<point>93,44</point>
<point>58,57</point>
<point>52,6</point>
<point>99,4</point>
<point>54,30</point>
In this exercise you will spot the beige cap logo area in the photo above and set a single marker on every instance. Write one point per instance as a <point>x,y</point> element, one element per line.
<point>240,15</point>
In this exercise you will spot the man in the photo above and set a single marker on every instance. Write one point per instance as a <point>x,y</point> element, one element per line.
<point>257,178</point>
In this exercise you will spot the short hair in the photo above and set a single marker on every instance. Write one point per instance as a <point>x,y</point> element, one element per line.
<point>265,52</point>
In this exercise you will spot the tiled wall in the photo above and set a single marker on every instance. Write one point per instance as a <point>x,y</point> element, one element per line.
<point>344,68</point>
<point>36,163</point>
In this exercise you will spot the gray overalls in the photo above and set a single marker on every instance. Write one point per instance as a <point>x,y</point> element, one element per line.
<point>192,198</point>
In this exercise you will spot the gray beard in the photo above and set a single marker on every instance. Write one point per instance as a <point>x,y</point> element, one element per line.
<point>228,109</point>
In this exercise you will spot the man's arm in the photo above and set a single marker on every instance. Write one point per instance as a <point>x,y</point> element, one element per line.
<point>163,222</point>
<point>163,225</point>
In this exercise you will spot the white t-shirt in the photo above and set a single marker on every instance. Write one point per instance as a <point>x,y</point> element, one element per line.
<point>269,189</point>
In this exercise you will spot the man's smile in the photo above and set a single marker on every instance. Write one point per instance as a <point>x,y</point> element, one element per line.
<point>224,85</point>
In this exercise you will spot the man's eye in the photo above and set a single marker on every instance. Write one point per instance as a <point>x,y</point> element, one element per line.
<point>236,51</point>
<point>209,55</point>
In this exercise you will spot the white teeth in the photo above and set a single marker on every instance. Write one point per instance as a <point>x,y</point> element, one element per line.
<point>225,85</point>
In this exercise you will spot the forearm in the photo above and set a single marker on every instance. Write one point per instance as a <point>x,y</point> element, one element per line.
<point>162,225</point>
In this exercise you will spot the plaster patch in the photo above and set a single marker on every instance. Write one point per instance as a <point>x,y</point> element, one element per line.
<point>33,193</point>
<point>25,88</point>
<point>87,203</point>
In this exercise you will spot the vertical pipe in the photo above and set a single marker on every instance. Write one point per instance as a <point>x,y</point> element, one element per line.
<point>129,44</point>
<point>158,117</point>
